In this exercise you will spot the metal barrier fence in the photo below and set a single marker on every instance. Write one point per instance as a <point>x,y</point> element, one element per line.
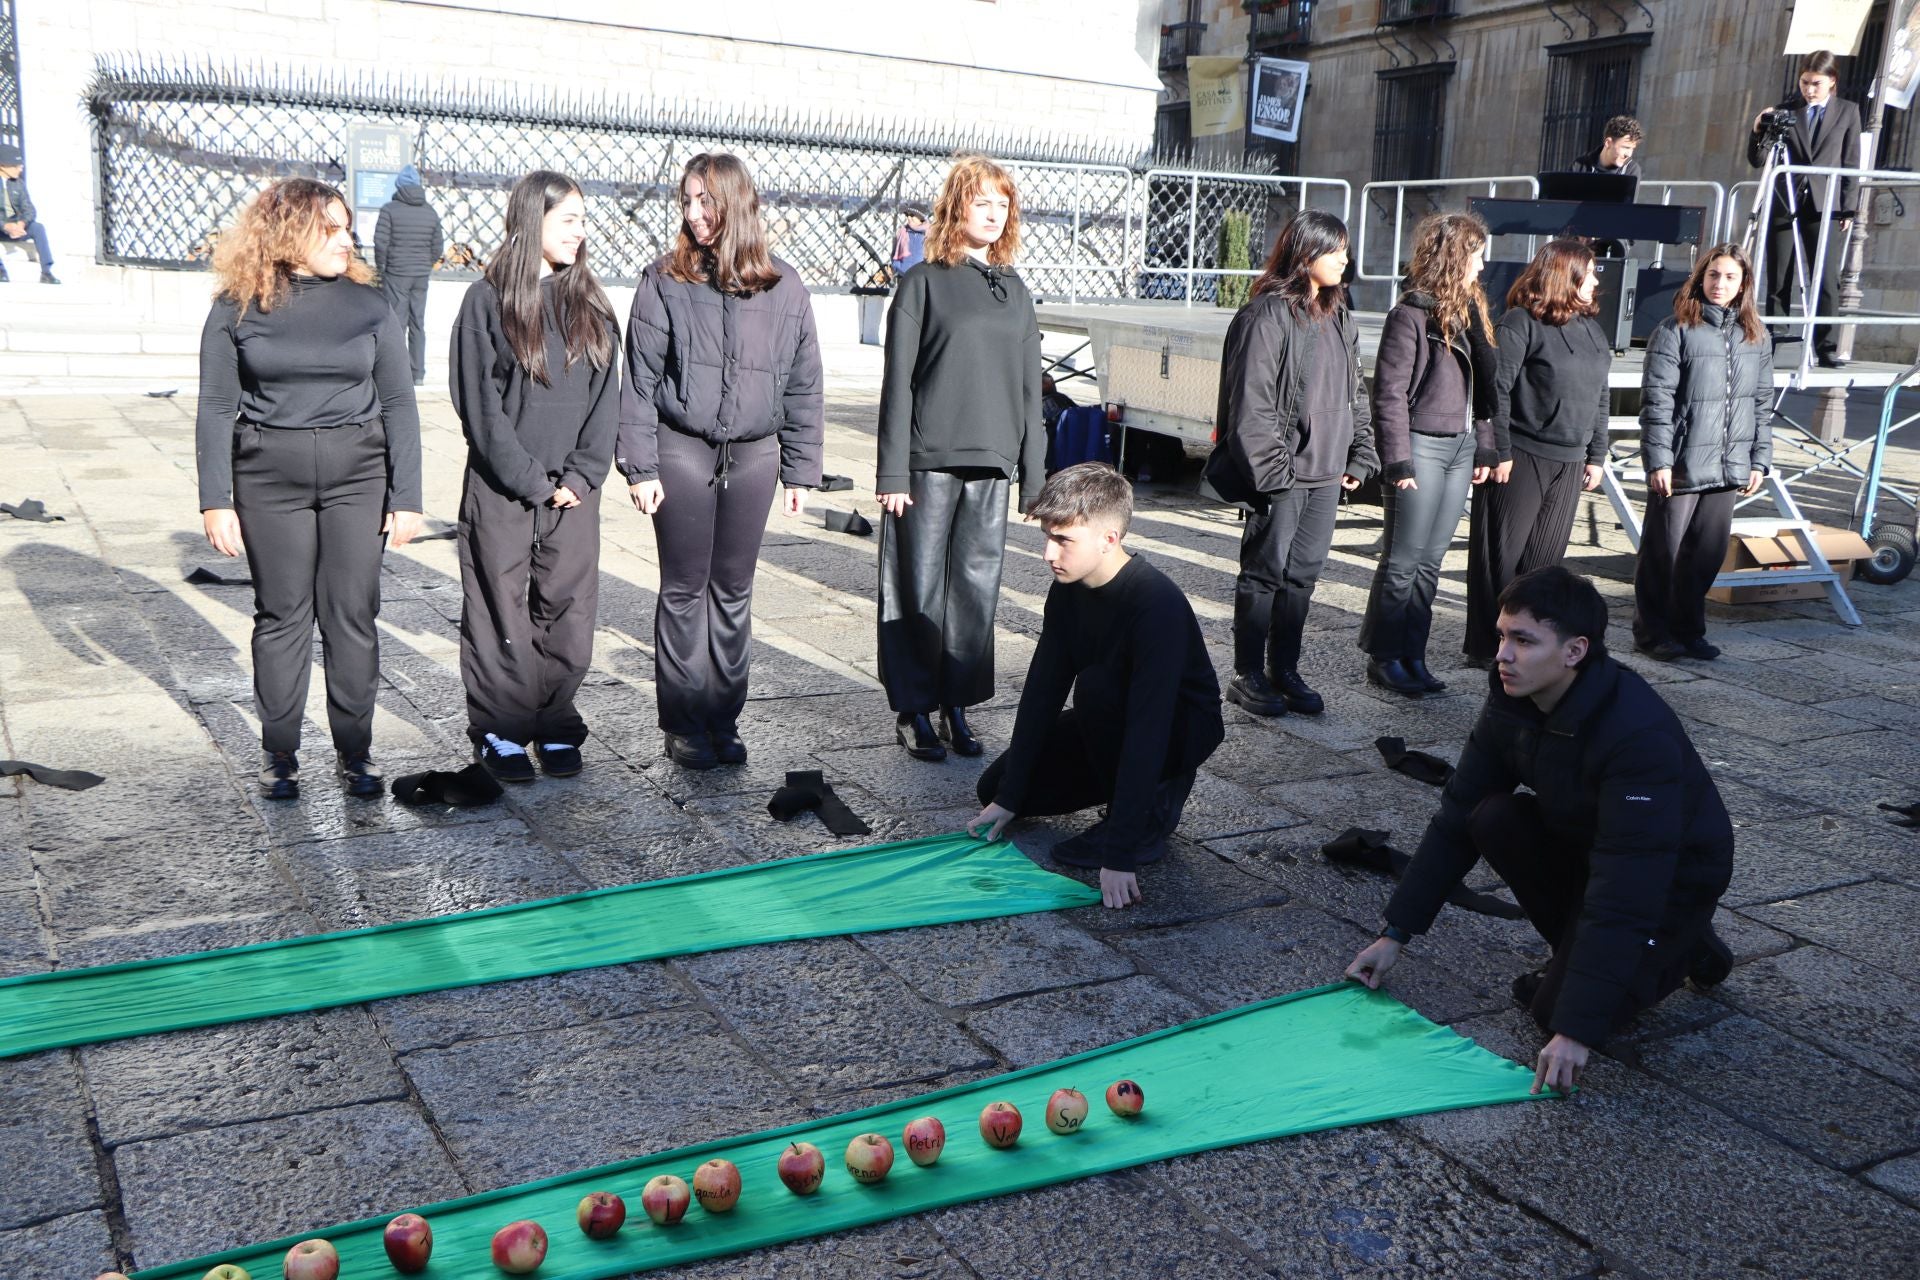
<point>1370,202</point>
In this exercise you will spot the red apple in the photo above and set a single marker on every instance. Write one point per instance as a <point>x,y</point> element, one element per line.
<point>600,1214</point>
<point>1000,1124</point>
<point>409,1242</point>
<point>312,1260</point>
<point>519,1247</point>
<point>716,1185</point>
<point>665,1199</point>
<point>1066,1110</point>
<point>225,1271</point>
<point>924,1139</point>
<point>869,1157</point>
<point>1125,1098</point>
<point>802,1167</point>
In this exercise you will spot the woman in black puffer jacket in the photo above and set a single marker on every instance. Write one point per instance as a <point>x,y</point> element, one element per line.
<point>1706,436</point>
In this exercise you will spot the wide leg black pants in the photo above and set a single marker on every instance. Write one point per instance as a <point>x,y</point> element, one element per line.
<point>1282,551</point>
<point>1683,542</point>
<point>1515,528</point>
<point>939,588</point>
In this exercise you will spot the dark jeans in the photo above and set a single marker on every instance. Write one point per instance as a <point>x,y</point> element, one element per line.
<point>1282,551</point>
<point>1683,542</point>
<point>939,587</point>
<point>1420,523</point>
<point>37,234</point>
<point>709,536</point>
<point>311,503</point>
<point>530,590</point>
<point>1515,528</point>
<point>1781,274</point>
<point>407,296</point>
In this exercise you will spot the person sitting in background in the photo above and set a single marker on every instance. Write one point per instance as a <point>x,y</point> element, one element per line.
<point>17,221</point>
<point>1618,142</point>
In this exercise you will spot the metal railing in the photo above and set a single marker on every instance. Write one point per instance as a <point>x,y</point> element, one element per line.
<point>1400,188</point>
<point>1182,242</point>
<point>1395,12</point>
<point>1714,219</point>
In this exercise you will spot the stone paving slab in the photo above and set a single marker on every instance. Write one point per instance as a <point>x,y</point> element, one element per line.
<point>1029,1030</point>
<point>436,1019</point>
<point>78,1244</point>
<point>976,961</point>
<point>45,1148</point>
<point>1871,921</point>
<point>1852,1010</point>
<point>23,948</point>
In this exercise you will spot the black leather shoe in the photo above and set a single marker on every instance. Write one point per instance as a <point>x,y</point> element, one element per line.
<point>558,759</point>
<point>1828,360</point>
<point>1711,960</point>
<point>361,775</point>
<point>1663,650</point>
<point>915,731</point>
<point>1701,649</point>
<point>691,750</point>
<point>280,776</point>
<point>1392,674</point>
<point>1527,986</point>
<point>955,732</point>
<point>1298,695</point>
<point>1251,692</point>
<point>728,748</point>
<point>1417,668</point>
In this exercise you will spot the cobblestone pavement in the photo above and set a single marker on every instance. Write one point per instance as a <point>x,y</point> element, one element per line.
<point>1770,1128</point>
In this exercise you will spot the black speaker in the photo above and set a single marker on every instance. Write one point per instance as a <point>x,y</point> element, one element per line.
<point>1618,292</point>
<point>1659,286</point>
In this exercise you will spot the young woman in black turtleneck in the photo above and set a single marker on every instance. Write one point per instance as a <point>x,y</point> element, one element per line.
<point>308,445</point>
<point>959,417</point>
<point>536,384</point>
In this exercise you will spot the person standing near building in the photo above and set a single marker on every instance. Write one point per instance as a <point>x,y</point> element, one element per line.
<point>959,418</point>
<point>1706,437</point>
<point>1433,417</point>
<point>535,380</point>
<point>407,241</point>
<point>308,449</point>
<point>18,217</point>
<point>723,400</point>
<point>1295,428</point>
<point>1549,431</point>
<point>909,245</point>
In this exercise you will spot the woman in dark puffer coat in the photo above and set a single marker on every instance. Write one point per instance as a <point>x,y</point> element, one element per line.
<point>1706,436</point>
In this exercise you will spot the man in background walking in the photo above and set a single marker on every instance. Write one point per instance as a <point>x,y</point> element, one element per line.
<point>407,241</point>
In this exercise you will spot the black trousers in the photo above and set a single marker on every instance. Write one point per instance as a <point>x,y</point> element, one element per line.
<point>1781,275</point>
<point>709,536</point>
<point>1683,541</point>
<point>311,503</point>
<point>407,296</point>
<point>939,587</point>
<point>1282,551</point>
<point>530,592</point>
<point>1549,881</point>
<point>1420,523</point>
<point>1515,528</point>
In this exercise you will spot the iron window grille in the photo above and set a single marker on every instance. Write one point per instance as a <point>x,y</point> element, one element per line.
<point>1395,13</point>
<point>1589,82</point>
<point>1279,24</point>
<point>1409,124</point>
<point>10,131</point>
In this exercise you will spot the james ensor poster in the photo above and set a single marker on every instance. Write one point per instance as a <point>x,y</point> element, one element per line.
<point>1279,97</point>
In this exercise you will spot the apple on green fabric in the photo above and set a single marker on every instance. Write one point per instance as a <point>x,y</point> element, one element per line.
<point>311,1260</point>
<point>869,1158</point>
<point>409,1243</point>
<point>802,1166</point>
<point>924,1140</point>
<point>716,1185</point>
<point>519,1247</point>
<point>665,1198</point>
<point>1126,1098</point>
<point>1066,1111</point>
<point>1000,1124</point>
<point>600,1214</point>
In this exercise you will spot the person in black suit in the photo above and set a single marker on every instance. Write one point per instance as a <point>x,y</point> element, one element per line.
<point>1826,132</point>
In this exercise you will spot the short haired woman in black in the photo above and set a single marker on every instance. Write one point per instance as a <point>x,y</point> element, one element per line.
<point>536,384</point>
<point>1549,431</point>
<point>1706,436</point>
<point>959,416</point>
<point>1295,428</point>
<point>308,445</point>
<point>1432,413</point>
<point>723,400</point>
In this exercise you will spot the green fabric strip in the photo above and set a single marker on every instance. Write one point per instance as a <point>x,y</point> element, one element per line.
<point>1319,1059</point>
<point>888,886</point>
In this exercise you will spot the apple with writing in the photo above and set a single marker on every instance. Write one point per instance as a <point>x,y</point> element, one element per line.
<point>1000,1124</point>
<point>869,1157</point>
<point>716,1185</point>
<point>409,1242</point>
<point>802,1167</point>
<point>665,1199</point>
<point>311,1260</point>
<point>600,1214</point>
<point>519,1247</point>
<point>1066,1110</point>
<point>924,1139</point>
<point>1125,1098</point>
<point>225,1271</point>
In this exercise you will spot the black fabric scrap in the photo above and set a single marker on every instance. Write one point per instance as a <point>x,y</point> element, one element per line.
<point>466,789</point>
<point>846,522</point>
<point>1909,814</point>
<point>834,484</point>
<point>442,532</point>
<point>1369,850</point>
<point>807,789</point>
<point>168,394</point>
<point>208,578</point>
<point>29,509</point>
<point>67,779</point>
<point>1417,765</point>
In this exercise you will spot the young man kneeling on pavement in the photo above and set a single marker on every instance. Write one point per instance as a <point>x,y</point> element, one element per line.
<point>1122,638</point>
<point>1617,857</point>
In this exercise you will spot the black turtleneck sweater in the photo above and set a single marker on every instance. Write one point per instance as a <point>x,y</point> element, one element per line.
<point>329,355</point>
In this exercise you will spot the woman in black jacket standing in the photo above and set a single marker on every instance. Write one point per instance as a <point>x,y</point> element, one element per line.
<point>1295,428</point>
<point>308,445</point>
<point>1706,436</point>
<point>722,401</point>
<point>536,384</point>
<point>1549,431</point>
<point>959,416</point>
<point>1432,413</point>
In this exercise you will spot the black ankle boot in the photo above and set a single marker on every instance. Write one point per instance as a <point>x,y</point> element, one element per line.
<point>1417,668</point>
<point>1298,694</point>
<point>915,731</point>
<point>955,732</point>
<point>1392,674</point>
<point>691,750</point>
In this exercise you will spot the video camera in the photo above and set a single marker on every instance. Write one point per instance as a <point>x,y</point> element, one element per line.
<point>1776,123</point>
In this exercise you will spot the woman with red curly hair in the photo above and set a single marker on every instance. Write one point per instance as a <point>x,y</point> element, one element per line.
<point>308,444</point>
<point>959,417</point>
<point>1549,431</point>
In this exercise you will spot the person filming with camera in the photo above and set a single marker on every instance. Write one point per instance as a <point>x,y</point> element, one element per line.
<point>1818,129</point>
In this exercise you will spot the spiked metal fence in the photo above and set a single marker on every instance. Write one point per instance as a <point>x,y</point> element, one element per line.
<point>181,147</point>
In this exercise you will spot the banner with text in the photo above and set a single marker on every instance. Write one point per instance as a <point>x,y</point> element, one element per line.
<point>1279,99</point>
<point>1214,95</point>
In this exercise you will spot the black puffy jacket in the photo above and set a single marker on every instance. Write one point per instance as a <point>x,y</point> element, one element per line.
<point>407,240</point>
<point>1622,789</point>
<point>1706,406</point>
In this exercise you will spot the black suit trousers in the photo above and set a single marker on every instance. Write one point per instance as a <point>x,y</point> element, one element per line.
<point>939,588</point>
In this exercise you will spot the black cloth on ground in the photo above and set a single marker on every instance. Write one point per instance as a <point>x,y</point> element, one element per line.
<point>846,522</point>
<point>67,779</point>
<point>29,509</point>
<point>202,577</point>
<point>464,789</point>
<point>808,789</point>
<point>1418,765</point>
<point>1369,850</point>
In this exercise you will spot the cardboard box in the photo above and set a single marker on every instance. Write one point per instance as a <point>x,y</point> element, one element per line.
<point>1841,547</point>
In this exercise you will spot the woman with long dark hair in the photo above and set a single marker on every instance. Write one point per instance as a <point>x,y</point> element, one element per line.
<point>1706,437</point>
<point>1549,431</point>
<point>536,384</point>
<point>959,417</point>
<point>1295,428</point>
<point>1432,413</point>
<point>308,444</point>
<point>723,399</point>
